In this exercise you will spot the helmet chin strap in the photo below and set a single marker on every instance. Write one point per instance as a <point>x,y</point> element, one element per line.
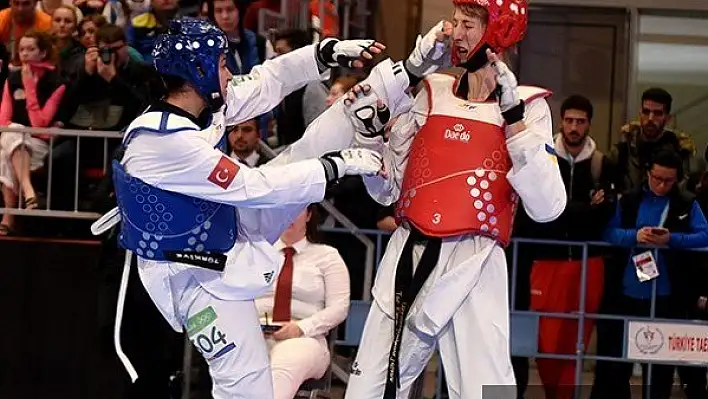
<point>478,59</point>
<point>215,102</point>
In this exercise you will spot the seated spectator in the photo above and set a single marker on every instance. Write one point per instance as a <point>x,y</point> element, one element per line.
<point>656,214</point>
<point>144,28</point>
<point>31,97</point>
<point>244,142</point>
<point>112,88</point>
<point>64,27</point>
<point>110,91</point>
<point>310,298</point>
<point>88,27</point>
<point>20,18</point>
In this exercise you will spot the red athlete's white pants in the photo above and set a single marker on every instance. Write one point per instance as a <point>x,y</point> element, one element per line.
<point>474,344</point>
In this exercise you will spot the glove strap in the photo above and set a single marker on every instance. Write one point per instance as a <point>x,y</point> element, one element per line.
<point>325,53</point>
<point>514,114</point>
<point>330,168</point>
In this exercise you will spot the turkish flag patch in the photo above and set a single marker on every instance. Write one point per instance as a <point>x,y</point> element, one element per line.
<point>224,172</point>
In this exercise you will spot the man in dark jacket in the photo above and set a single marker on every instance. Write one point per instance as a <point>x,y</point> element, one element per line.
<point>655,214</point>
<point>587,175</point>
<point>641,139</point>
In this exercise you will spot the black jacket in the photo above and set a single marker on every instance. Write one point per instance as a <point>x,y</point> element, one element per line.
<point>580,221</point>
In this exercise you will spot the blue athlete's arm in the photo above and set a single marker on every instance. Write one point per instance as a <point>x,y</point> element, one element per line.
<point>265,87</point>
<point>618,236</point>
<point>698,237</point>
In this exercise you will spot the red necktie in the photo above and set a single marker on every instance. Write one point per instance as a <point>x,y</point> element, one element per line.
<point>284,289</point>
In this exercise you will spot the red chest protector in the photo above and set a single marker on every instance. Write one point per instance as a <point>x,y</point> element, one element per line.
<point>455,181</point>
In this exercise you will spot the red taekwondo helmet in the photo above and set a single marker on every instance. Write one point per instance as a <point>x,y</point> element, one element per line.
<point>506,26</point>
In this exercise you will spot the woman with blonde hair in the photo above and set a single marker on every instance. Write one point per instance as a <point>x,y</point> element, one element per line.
<point>65,21</point>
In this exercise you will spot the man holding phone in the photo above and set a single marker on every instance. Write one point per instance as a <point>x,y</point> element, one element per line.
<point>656,214</point>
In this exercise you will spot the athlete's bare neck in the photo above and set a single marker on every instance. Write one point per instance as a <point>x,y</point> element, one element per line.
<point>481,84</point>
<point>189,101</point>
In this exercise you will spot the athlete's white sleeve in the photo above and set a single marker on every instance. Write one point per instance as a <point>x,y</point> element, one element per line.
<point>395,152</point>
<point>265,87</point>
<point>333,129</point>
<point>535,174</point>
<point>187,164</point>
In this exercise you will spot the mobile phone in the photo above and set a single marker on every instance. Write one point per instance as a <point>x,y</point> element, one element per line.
<point>270,328</point>
<point>659,232</point>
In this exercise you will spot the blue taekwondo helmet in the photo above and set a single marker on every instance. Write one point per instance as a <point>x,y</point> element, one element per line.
<point>191,49</point>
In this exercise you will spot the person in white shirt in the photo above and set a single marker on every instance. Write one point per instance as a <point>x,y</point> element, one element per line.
<point>310,299</point>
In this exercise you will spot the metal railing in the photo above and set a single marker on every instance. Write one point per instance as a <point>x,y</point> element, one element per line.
<point>524,339</point>
<point>76,213</point>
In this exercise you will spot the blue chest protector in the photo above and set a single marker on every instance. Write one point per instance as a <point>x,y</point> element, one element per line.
<point>164,225</point>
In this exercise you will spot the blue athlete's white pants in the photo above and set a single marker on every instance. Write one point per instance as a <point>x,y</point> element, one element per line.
<point>226,332</point>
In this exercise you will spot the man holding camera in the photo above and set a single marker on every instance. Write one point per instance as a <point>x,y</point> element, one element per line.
<point>112,88</point>
<point>109,91</point>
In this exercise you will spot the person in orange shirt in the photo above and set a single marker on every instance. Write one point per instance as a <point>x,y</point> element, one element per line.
<point>22,16</point>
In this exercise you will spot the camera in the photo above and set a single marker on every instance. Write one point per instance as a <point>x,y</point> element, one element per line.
<point>105,54</point>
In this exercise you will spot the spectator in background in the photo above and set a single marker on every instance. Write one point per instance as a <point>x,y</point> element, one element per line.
<point>49,6</point>
<point>310,298</point>
<point>20,18</point>
<point>304,105</point>
<point>90,7</point>
<point>71,53</point>
<point>657,214</point>
<point>88,27</point>
<point>144,28</point>
<point>243,48</point>
<point>640,140</point>
<point>31,97</point>
<point>110,91</point>
<point>244,142</point>
<point>551,274</point>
